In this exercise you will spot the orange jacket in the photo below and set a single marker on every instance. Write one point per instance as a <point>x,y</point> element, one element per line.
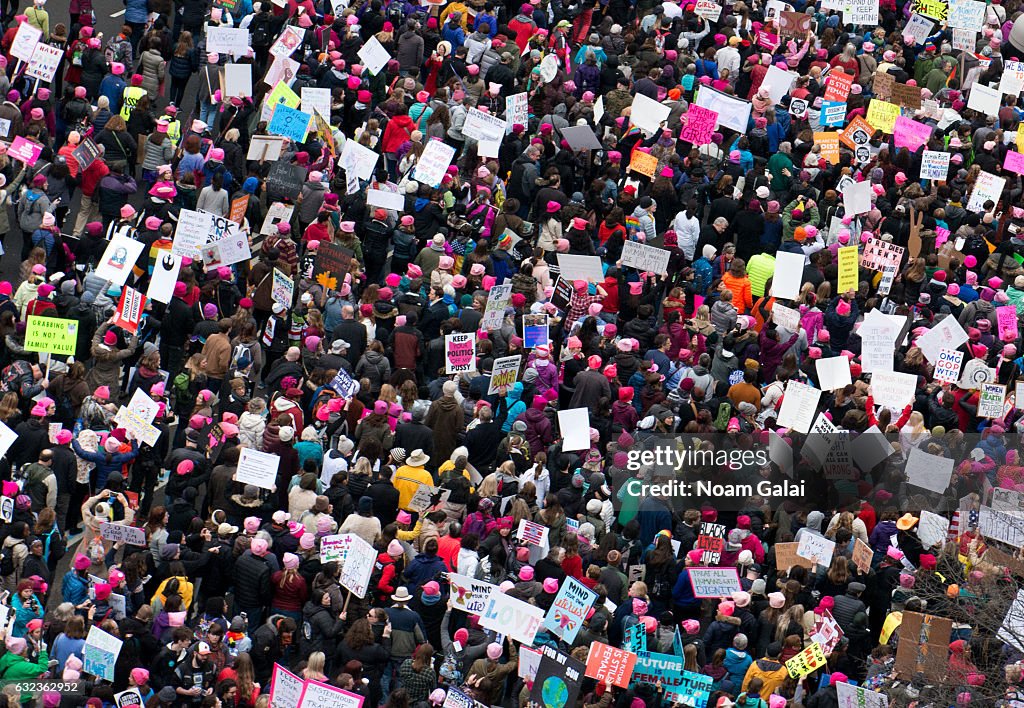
<point>741,295</point>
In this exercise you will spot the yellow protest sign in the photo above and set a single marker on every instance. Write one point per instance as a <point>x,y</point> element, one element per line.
<point>882,115</point>
<point>806,662</point>
<point>282,93</point>
<point>829,143</point>
<point>1020,138</point>
<point>49,334</point>
<point>936,9</point>
<point>643,163</point>
<point>848,268</point>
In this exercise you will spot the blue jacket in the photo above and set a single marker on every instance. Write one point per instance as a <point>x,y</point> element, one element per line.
<point>136,11</point>
<point>682,593</point>
<point>703,274</point>
<point>423,569</point>
<point>491,20</point>
<point>654,516</point>
<point>737,663</point>
<point>74,588</point>
<point>453,32</point>
<point>516,407</point>
<point>113,88</point>
<point>105,462</point>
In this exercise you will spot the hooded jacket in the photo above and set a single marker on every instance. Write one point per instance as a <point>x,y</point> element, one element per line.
<point>538,430</point>
<point>771,672</point>
<point>515,406</point>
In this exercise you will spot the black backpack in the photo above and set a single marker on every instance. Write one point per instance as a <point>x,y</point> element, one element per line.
<point>261,31</point>
<point>7,560</point>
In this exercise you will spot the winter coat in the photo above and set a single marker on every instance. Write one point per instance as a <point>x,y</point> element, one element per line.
<point>320,629</point>
<point>538,430</point>
<point>252,581</point>
<point>153,69</point>
<point>445,418</point>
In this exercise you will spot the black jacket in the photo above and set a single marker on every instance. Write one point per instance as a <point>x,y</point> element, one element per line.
<point>320,631</point>
<point>252,582</point>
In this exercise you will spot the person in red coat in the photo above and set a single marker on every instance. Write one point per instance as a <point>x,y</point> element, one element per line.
<point>398,131</point>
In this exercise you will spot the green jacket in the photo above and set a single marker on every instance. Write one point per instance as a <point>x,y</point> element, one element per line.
<point>776,164</point>
<point>1016,298</point>
<point>14,667</point>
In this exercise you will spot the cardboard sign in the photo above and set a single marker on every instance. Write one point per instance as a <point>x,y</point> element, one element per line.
<point>468,594</point>
<point>130,310</point>
<point>645,258</point>
<point>460,352</point>
<point>433,163</point>
<point>100,653</point>
<point>358,565</point>
<point>700,125</point>
<point>711,543</point>
<point>558,681</point>
<point>257,468</point>
<point>497,300</point>
<point>512,617</point>
<point>44,63</point>
<point>935,165</point>
<point>504,373</point>
<point>862,555</point>
<point>993,396</point>
<point>606,663</point>
<point>714,582</point>
<point>121,533</point>
<point>569,610</point>
<point>947,368</point>
<point>923,646</point>
<point>51,335</point>
<point>643,163</point>
<point>806,662</point>
<point>908,96</point>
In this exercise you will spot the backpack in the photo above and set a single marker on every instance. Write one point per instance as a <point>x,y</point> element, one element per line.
<point>261,31</point>
<point>7,560</point>
<point>241,359</point>
<point>451,670</point>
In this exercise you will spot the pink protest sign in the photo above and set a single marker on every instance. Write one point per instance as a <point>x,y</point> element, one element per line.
<point>25,150</point>
<point>459,352</point>
<point>700,126</point>
<point>1007,319</point>
<point>911,134</point>
<point>1014,162</point>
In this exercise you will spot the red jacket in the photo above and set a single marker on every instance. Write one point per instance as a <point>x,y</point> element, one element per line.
<point>398,131</point>
<point>92,175</point>
<point>448,551</point>
<point>387,585</point>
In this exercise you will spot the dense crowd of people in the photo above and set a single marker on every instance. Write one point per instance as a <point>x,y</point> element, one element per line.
<point>783,229</point>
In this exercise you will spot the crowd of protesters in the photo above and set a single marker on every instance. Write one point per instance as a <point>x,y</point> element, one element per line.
<point>231,583</point>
